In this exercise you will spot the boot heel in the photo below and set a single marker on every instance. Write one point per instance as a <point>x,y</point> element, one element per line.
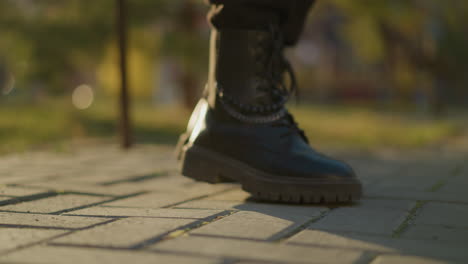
<point>200,166</point>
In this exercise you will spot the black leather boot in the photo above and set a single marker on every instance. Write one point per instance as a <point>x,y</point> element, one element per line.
<point>241,131</point>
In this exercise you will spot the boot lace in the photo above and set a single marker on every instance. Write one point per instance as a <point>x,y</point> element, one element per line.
<point>271,80</point>
<point>289,122</point>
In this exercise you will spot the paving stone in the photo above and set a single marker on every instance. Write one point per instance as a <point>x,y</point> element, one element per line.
<point>452,193</point>
<point>172,182</point>
<point>372,171</point>
<point>145,212</point>
<point>54,204</point>
<point>113,174</point>
<point>440,233</point>
<point>254,262</point>
<point>392,259</point>
<point>237,195</point>
<point>73,184</point>
<point>11,238</point>
<point>66,255</point>
<point>152,178</point>
<point>210,204</point>
<point>124,232</point>
<point>392,180</point>
<point>19,177</point>
<point>418,176</point>
<point>395,193</point>
<point>276,210</point>
<point>319,238</point>
<point>446,214</point>
<point>152,200</point>
<point>252,250</point>
<point>48,221</point>
<point>17,191</point>
<point>369,216</point>
<point>349,241</point>
<point>5,198</point>
<point>64,186</point>
<point>422,181</point>
<point>168,197</point>
<point>253,225</point>
<point>456,186</point>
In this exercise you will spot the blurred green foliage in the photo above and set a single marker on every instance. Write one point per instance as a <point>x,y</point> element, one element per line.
<point>397,51</point>
<point>51,43</point>
<point>406,48</point>
<point>28,126</point>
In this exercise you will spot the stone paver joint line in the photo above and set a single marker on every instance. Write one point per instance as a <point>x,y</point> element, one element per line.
<point>139,178</point>
<point>70,231</point>
<point>298,229</point>
<point>101,205</point>
<point>455,172</point>
<point>198,198</point>
<point>98,203</point>
<point>183,230</point>
<point>409,218</point>
<point>17,200</point>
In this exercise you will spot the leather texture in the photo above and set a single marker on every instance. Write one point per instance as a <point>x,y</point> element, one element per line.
<point>273,148</point>
<point>238,64</point>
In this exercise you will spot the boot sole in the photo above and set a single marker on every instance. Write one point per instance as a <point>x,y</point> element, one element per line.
<point>205,165</point>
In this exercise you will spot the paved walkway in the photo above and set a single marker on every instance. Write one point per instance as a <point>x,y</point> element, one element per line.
<point>101,205</point>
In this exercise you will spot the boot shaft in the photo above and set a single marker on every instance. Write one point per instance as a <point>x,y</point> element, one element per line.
<point>246,73</point>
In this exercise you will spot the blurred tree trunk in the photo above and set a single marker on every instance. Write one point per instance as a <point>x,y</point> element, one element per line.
<point>187,78</point>
<point>124,106</point>
<point>436,66</point>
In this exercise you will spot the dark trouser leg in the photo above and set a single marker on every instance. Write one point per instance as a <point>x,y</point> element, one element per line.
<point>258,14</point>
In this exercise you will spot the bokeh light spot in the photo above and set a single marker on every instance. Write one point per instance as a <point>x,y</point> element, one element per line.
<point>83,96</point>
<point>9,85</point>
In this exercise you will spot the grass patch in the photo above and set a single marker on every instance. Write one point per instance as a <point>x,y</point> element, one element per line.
<point>54,122</point>
<point>408,220</point>
<point>366,129</point>
<point>438,185</point>
<point>442,182</point>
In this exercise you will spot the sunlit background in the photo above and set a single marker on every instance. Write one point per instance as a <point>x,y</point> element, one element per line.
<point>372,74</point>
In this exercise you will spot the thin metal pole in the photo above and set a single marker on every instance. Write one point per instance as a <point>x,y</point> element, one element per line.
<point>124,106</point>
